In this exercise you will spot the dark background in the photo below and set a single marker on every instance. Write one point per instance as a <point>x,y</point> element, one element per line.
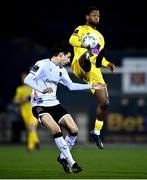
<point>122,22</point>
<point>29,29</point>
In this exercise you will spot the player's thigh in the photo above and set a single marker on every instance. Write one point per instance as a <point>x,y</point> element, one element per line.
<point>102,96</point>
<point>95,75</point>
<point>68,123</point>
<point>49,123</point>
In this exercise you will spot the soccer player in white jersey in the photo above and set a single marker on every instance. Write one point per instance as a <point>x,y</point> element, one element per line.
<point>43,79</point>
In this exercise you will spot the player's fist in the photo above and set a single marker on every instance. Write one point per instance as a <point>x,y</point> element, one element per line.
<point>98,86</point>
<point>28,98</point>
<point>47,90</point>
<point>111,67</point>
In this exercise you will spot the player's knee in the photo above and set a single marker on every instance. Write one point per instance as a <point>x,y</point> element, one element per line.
<point>57,134</point>
<point>87,68</point>
<point>85,65</point>
<point>105,105</point>
<point>74,131</point>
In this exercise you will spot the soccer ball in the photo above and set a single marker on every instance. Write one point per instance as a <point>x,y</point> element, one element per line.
<point>89,40</point>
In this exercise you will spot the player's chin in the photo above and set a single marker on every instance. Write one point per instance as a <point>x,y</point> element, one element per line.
<point>65,63</point>
<point>96,22</point>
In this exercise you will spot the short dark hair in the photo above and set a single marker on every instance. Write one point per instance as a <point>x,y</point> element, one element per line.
<point>60,47</point>
<point>90,9</point>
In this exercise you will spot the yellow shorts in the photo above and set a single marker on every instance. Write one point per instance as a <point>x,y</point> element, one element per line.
<point>29,119</point>
<point>91,77</point>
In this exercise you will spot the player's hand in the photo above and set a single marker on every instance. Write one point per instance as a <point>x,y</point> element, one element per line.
<point>47,90</point>
<point>111,67</point>
<point>98,86</point>
<point>28,98</point>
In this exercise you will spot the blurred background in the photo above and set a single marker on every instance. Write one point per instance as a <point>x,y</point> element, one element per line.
<point>28,31</point>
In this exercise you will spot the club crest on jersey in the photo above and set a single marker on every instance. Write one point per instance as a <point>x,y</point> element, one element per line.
<point>35,68</point>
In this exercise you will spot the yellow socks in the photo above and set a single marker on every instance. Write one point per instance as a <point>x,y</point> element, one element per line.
<point>98,127</point>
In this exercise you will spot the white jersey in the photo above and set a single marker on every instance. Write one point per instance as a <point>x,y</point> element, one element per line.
<point>46,74</point>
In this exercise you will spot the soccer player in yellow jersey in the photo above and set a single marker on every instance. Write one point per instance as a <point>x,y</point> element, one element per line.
<point>86,65</point>
<point>22,98</point>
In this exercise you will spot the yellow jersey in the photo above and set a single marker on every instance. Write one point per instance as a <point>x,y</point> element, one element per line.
<point>22,93</point>
<point>76,41</point>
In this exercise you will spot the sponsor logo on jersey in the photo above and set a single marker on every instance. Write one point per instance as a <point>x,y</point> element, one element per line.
<point>51,81</point>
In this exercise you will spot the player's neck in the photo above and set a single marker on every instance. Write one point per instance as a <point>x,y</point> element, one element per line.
<point>92,26</point>
<point>54,60</point>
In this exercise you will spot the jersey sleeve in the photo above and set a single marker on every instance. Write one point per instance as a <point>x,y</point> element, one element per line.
<point>37,69</point>
<point>105,62</point>
<point>76,38</point>
<point>65,80</point>
<point>34,75</point>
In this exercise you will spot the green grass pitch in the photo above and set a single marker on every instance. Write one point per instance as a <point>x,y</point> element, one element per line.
<point>112,162</point>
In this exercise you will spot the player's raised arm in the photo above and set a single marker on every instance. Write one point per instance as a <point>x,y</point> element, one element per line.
<point>75,39</point>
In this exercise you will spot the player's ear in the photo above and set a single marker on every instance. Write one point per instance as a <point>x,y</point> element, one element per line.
<point>87,17</point>
<point>61,54</point>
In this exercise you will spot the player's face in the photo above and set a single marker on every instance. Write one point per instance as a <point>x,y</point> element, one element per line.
<point>94,17</point>
<point>65,59</point>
